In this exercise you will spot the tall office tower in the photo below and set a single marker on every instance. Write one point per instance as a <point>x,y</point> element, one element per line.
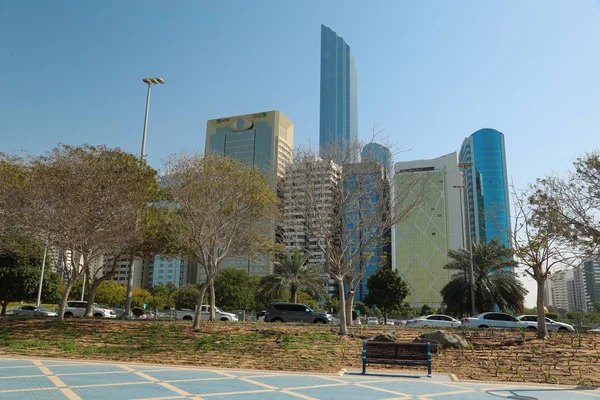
<point>483,159</point>
<point>263,140</point>
<point>324,176</point>
<point>368,204</point>
<point>339,92</point>
<point>165,270</point>
<point>420,242</point>
<point>591,271</point>
<point>381,155</point>
<point>560,286</point>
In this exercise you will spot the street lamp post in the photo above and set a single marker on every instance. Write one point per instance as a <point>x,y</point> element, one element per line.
<point>470,237</point>
<point>149,82</point>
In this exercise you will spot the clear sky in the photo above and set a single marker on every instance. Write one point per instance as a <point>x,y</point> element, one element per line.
<point>429,72</point>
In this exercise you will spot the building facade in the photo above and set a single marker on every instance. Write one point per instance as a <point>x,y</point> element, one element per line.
<point>339,93</point>
<point>420,242</point>
<point>263,140</point>
<point>483,161</point>
<point>368,241</point>
<point>298,231</point>
<point>381,155</point>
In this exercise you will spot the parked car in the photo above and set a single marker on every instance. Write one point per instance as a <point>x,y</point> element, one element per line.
<point>36,311</point>
<point>220,315</point>
<point>372,321</point>
<point>496,320</point>
<point>437,320</point>
<point>294,312</point>
<point>551,325</point>
<point>77,309</point>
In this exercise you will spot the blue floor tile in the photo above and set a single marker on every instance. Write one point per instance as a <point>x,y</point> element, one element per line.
<point>20,371</point>
<point>15,363</point>
<point>101,379</point>
<point>75,369</point>
<point>51,394</point>
<point>220,386</point>
<point>180,374</point>
<point>292,381</point>
<point>349,392</point>
<point>124,392</point>
<point>35,382</point>
<point>412,388</point>
<point>274,395</point>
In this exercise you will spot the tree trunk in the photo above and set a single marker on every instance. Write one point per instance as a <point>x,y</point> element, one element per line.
<point>4,304</point>
<point>349,306</point>
<point>211,289</point>
<point>198,317</point>
<point>542,328</point>
<point>343,326</point>
<point>293,293</point>
<point>129,284</point>
<point>89,309</point>
<point>65,297</point>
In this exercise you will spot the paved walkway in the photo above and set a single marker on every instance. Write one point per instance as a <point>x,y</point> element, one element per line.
<point>50,379</point>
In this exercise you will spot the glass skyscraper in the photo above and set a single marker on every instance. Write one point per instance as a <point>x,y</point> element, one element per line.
<point>381,155</point>
<point>339,111</point>
<point>483,161</point>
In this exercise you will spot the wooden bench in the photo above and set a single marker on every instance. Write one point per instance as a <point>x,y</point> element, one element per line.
<point>396,354</point>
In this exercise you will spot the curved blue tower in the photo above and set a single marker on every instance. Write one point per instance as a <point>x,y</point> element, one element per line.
<point>483,161</point>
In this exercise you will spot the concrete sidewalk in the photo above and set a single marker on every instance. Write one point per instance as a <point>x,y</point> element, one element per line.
<point>48,379</point>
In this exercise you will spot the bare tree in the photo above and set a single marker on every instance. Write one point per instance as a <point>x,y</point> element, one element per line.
<point>342,212</point>
<point>87,199</point>
<point>221,209</point>
<point>539,249</point>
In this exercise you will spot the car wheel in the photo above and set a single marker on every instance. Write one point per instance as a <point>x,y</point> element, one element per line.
<point>483,326</point>
<point>98,315</point>
<point>319,321</point>
<point>531,328</point>
<point>277,320</point>
<point>68,315</point>
<point>224,319</point>
<point>187,318</point>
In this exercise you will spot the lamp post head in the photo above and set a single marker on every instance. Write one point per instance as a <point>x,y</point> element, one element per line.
<point>155,81</point>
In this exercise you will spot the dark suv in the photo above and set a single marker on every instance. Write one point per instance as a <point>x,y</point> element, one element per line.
<point>293,312</point>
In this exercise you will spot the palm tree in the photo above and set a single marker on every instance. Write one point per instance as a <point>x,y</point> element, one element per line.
<point>495,283</point>
<point>292,272</point>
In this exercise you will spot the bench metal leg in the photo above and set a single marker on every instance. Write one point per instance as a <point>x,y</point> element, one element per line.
<point>364,371</point>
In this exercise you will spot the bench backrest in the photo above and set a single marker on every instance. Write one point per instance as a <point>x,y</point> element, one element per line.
<point>397,351</point>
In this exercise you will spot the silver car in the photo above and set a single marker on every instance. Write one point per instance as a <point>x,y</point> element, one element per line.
<point>550,324</point>
<point>36,311</point>
<point>294,312</point>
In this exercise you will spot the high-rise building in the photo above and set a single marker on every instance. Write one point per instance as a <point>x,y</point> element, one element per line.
<point>165,270</point>
<point>263,140</point>
<point>324,176</point>
<point>591,271</point>
<point>368,200</point>
<point>422,240</point>
<point>339,92</point>
<point>381,155</point>
<point>483,160</point>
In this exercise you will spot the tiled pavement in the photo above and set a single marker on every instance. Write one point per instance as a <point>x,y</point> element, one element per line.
<point>50,379</point>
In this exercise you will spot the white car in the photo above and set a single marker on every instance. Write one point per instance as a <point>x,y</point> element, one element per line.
<point>436,320</point>
<point>550,324</point>
<point>36,311</point>
<point>220,315</point>
<point>372,321</point>
<point>77,309</point>
<point>496,320</point>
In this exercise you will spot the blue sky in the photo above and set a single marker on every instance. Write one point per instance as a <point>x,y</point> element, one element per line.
<point>429,72</point>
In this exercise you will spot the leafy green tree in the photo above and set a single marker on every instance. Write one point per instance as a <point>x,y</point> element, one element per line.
<point>223,210</point>
<point>139,297</point>
<point>551,315</point>
<point>495,284</point>
<point>387,291</point>
<point>235,289</point>
<point>163,296</point>
<point>110,293</point>
<point>187,297</point>
<point>425,310</point>
<point>292,272</point>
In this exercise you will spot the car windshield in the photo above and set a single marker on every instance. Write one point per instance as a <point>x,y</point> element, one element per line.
<point>96,305</point>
